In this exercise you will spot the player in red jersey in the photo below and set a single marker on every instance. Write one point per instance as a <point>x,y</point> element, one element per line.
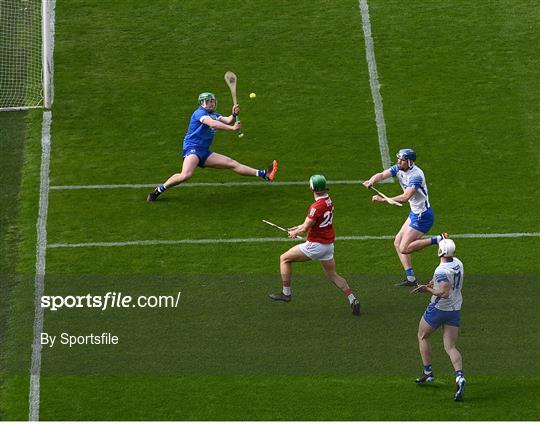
<point>319,245</point>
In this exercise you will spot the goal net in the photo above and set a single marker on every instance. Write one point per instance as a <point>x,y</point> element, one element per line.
<point>26,31</point>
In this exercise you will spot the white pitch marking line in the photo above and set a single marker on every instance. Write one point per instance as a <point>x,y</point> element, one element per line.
<point>41,251</point>
<point>217,184</point>
<point>263,240</point>
<point>374,84</point>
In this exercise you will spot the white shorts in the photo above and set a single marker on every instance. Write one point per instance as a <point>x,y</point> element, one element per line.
<point>317,251</point>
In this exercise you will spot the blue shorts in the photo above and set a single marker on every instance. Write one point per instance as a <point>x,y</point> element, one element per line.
<point>422,221</point>
<point>202,154</point>
<point>435,317</point>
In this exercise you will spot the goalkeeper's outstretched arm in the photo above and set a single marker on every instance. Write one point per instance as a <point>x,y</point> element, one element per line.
<point>218,125</point>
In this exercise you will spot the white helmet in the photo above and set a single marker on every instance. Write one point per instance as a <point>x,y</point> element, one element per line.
<point>447,247</point>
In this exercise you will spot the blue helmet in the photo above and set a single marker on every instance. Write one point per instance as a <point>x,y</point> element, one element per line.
<point>408,154</point>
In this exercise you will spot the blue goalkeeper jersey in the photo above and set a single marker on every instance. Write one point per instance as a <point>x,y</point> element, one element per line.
<point>198,134</point>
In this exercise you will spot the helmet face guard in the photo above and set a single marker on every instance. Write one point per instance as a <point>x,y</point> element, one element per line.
<point>317,183</point>
<point>407,154</point>
<point>447,248</point>
<point>205,97</point>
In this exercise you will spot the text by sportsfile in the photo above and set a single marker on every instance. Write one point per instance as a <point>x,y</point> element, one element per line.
<point>70,340</point>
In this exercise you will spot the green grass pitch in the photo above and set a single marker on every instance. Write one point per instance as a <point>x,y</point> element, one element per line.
<point>460,84</point>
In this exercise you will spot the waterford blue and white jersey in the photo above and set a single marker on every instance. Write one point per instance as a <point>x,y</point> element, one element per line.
<point>198,134</point>
<point>449,273</point>
<point>415,178</point>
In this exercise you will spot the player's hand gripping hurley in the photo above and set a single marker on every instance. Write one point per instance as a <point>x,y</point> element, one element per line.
<point>385,197</point>
<point>230,79</point>
<point>422,288</point>
<point>279,228</point>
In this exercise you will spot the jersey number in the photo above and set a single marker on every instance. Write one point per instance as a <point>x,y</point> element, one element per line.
<point>328,215</point>
<point>457,281</point>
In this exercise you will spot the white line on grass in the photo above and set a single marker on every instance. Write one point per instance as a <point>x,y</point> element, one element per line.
<point>41,251</point>
<point>263,240</point>
<point>217,184</point>
<point>374,84</point>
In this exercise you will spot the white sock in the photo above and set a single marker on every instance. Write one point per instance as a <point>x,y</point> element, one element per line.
<point>351,298</point>
<point>287,290</point>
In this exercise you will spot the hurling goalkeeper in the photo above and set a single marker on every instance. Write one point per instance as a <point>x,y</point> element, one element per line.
<point>196,148</point>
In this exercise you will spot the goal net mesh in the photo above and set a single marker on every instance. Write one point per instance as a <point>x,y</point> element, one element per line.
<point>20,54</point>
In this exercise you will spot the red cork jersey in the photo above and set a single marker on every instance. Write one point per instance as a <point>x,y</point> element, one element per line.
<point>322,212</point>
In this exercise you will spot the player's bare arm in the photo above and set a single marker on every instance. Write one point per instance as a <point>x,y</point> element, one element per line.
<point>229,120</point>
<point>407,194</point>
<point>402,198</point>
<point>377,177</point>
<point>443,291</point>
<point>212,123</point>
<point>302,228</point>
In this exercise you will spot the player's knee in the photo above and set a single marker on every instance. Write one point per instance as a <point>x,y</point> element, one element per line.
<point>331,274</point>
<point>404,249</point>
<point>186,175</point>
<point>284,258</point>
<point>422,335</point>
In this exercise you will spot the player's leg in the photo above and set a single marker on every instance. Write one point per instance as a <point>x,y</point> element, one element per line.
<point>405,258</point>
<point>424,242</point>
<point>419,224</point>
<point>216,160</point>
<point>294,254</point>
<point>411,236</point>
<point>417,244</point>
<point>450,336</point>
<point>188,168</point>
<point>424,346</point>
<point>329,267</point>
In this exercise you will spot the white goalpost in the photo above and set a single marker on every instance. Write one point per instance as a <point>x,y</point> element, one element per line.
<point>26,54</point>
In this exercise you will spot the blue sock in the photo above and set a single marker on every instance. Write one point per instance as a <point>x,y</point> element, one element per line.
<point>261,173</point>
<point>161,188</point>
<point>410,274</point>
<point>427,369</point>
<point>458,373</point>
<point>436,240</point>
